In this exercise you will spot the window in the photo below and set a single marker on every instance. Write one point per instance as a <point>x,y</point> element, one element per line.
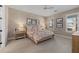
<point>31,21</point>
<point>50,23</point>
<point>71,23</point>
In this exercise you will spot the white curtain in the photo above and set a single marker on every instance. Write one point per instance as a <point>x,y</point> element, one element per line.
<point>74,24</point>
<point>78,23</point>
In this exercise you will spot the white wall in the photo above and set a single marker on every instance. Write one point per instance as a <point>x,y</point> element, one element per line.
<point>16,16</point>
<point>63,15</point>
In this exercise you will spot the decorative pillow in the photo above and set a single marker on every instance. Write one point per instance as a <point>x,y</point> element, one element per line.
<point>34,29</point>
<point>41,28</point>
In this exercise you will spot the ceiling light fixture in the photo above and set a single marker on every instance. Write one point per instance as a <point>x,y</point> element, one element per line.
<point>55,10</point>
<point>47,7</point>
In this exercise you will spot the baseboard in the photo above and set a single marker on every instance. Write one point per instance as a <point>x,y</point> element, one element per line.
<point>11,38</point>
<point>60,35</point>
<point>68,37</point>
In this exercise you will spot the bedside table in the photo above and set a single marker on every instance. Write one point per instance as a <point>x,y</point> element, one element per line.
<point>20,35</point>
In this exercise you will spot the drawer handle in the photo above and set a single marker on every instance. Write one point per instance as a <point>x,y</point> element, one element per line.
<point>0,30</point>
<point>0,5</point>
<point>0,17</point>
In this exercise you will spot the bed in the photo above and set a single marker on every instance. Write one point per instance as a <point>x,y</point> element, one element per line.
<point>39,35</point>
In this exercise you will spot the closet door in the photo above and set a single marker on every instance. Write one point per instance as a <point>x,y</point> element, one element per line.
<point>0,18</point>
<point>4,25</point>
<point>0,24</point>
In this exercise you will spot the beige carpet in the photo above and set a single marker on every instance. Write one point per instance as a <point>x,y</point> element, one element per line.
<point>57,45</point>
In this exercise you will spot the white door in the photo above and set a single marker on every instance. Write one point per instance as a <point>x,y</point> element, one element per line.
<point>4,33</point>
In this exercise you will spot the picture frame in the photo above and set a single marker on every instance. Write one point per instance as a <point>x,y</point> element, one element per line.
<point>59,23</point>
<point>51,23</point>
<point>31,21</point>
<point>28,21</point>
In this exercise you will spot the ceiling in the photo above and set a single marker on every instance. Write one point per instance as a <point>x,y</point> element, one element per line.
<point>40,9</point>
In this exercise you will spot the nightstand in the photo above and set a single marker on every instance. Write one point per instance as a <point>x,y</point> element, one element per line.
<point>20,34</point>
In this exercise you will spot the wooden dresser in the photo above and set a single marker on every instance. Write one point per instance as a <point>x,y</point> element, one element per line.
<point>75,42</point>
